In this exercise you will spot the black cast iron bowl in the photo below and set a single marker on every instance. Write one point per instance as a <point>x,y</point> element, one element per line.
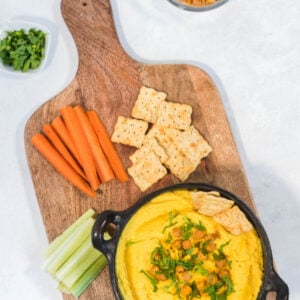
<point>119,219</point>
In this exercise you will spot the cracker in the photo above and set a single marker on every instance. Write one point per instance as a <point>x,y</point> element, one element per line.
<point>179,164</point>
<point>129,131</point>
<point>210,203</point>
<point>139,154</point>
<point>151,145</point>
<point>233,220</point>
<point>147,103</point>
<point>194,146</point>
<point>147,171</point>
<point>154,145</point>
<point>154,132</point>
<point>175,115</point>
<point>191,143</point>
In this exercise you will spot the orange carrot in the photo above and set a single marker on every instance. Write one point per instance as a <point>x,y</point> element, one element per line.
<point>61,148</point>
<point>104,170</point>
<point>41,143</point>
<point>60,128</point>
<point>107,146</point>
<point>74,127</point>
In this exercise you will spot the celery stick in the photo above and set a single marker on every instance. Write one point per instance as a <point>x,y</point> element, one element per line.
<point>62,288</point>
<point>80,264</point>
<point>80,254</point>
<point>68,247</point>
<point>86,279</point>
<point>62,237</point>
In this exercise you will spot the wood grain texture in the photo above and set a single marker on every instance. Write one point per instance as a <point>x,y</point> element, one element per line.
<point>108,81</point>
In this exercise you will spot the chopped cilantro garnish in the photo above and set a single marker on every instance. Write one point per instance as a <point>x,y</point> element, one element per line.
<point>189,225</point>
<point>200,269</point>
<point>220,255</point>
<point>180,261</point>
<point>153,281</point>
<point>171,222</point>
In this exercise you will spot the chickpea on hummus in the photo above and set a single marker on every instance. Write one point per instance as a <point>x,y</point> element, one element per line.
<point>168,250</point>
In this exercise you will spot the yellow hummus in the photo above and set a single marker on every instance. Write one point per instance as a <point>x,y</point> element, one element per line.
<point>169,251</point>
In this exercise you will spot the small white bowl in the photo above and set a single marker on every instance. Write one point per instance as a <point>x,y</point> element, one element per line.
<point>26,25</point>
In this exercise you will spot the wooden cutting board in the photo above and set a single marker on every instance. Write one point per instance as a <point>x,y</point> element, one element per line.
<point>108,81</point>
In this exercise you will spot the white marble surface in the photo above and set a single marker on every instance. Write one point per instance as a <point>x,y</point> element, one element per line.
<point>252,51</point>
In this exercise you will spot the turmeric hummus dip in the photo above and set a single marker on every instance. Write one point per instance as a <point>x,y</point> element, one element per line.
<point>168,250</point>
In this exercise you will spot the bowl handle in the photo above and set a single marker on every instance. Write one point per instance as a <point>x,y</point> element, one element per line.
<point>274,283</point>
<point>106,246</point>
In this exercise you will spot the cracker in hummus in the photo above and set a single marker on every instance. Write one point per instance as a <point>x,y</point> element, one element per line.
<point>233,220</point>
<point>210,203</point>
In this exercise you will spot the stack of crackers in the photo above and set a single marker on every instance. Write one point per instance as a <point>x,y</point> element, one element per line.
<point>164,136</point>
<point>222,210</point>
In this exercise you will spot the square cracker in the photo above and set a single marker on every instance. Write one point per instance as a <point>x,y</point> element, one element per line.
<point>189,142</point>
<point>147,171</point>
<point>129,131</point>
<point>154,132</point>
<point>175,115</point>
<point>233,220</point>
<point>151,145</point>
<point>210,203</point>
<point>194,145</point>
<point>147,103</point>
<point>179,164</point>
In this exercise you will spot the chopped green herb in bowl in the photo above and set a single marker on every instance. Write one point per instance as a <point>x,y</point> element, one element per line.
<point>23,50</point>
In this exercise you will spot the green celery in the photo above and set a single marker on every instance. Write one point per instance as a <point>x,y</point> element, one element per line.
<point>68,247</point>
<point>79,263</point>
<point>62,288</point>
<point>62,237</point>
<point>86,279</point>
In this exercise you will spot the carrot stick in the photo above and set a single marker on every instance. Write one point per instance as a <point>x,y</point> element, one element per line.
<point>41,143</point>
<point>60,128</point>
<point>61,148</point>
<point>104,170</point>
<point>74,127</point>
<point>107,146</point>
